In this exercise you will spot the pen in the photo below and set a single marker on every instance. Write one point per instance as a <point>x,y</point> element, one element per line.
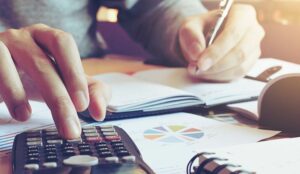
<point>224,8</point>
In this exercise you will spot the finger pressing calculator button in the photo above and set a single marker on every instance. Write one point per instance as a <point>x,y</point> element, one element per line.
<point>50,165</point>
<point>31,166</point>
<point>81,160</point>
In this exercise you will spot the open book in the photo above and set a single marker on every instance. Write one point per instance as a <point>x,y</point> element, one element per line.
<point>271,157</point>
<point>166,89</point>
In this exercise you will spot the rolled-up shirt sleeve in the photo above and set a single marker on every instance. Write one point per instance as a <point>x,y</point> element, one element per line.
<point>155,24</point>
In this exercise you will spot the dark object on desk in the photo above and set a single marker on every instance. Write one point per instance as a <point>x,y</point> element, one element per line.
<point>279,104</point>
<point>100,150</point>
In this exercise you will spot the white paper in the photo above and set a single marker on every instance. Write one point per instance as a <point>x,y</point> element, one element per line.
<point>168,142</point>
<point>40,118</point>
<point>210,93</point>
<point>271,157</point>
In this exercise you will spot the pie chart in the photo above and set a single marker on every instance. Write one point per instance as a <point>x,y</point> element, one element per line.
<point>173,134</point>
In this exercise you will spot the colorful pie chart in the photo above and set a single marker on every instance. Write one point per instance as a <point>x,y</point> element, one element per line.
<point>173,134</point>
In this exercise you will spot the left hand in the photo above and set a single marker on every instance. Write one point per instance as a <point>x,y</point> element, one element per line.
<point>234,51</point>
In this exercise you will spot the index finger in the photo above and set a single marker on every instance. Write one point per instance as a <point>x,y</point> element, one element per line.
<point>237,24</point>
<point>63,48</point>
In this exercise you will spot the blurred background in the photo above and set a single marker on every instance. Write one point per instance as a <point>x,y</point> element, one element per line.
<point>280,18</point>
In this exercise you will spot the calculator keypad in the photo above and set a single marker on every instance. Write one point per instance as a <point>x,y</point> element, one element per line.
<point>98,145</point>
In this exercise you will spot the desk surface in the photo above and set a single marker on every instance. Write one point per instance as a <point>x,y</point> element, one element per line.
<point>113,63</point>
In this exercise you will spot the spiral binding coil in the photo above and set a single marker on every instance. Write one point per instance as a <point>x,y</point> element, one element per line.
<point>201,168</point>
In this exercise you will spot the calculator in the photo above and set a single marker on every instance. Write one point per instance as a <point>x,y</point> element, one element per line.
<point>99,150</point>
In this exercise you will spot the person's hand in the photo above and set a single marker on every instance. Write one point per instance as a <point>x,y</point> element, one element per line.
<point>27,71</point>
<point>234,51</point>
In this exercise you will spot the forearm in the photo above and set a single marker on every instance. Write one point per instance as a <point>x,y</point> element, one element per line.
<point>156,23</point>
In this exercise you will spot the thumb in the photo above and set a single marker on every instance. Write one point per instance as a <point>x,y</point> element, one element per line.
<point>192,40</point>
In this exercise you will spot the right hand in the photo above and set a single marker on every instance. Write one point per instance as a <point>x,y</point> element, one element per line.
<point>27,72</point>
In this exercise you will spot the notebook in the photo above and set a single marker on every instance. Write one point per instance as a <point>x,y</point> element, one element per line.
<point>270,157</point>
<point>171,89</point>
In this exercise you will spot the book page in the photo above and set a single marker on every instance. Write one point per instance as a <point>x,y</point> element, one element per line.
<point>129,93</point>
<point>210,93</point>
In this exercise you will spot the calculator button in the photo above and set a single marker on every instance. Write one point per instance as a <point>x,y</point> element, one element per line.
<point>129,158</point>
<point>91,134</point>
<point>94,139</point>
<point>105,154</point>
<point>50,164</point>
<point>69,153</point>
<point>51,158</point>
<point>89,130</point>
<point>119,148</point>
<point>110,138</point>
<point>122,153</point>
<point>106,127</point>
<point>108,130</point>
<point>31,139</point>
<point>33,151</point>
<point>82,146</point>
<point>31,166</point>
<point>85,151</point>
<point>100,144</point>
<point>57,141</point>
<point>51,153</point>
<point>51,133</point>
<point>50,146</point>
<point>110,133</point>
<point>81,160</point>
<point>117,144</point>
<point>33,155</point>
<point>112,159</point>
<point>50,149</point>
<point>34,143</point>
<point>102,149</point>
<point>33,160</point>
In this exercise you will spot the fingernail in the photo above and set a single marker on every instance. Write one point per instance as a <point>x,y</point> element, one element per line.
<point>22,112</point>
<point>192,69</point>
<point>81,101</point>
<point>205,64</point>
<point>70,129</point>
<point>195,50</point>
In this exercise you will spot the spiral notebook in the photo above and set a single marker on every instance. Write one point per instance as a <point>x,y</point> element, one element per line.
<point>270,157</point>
